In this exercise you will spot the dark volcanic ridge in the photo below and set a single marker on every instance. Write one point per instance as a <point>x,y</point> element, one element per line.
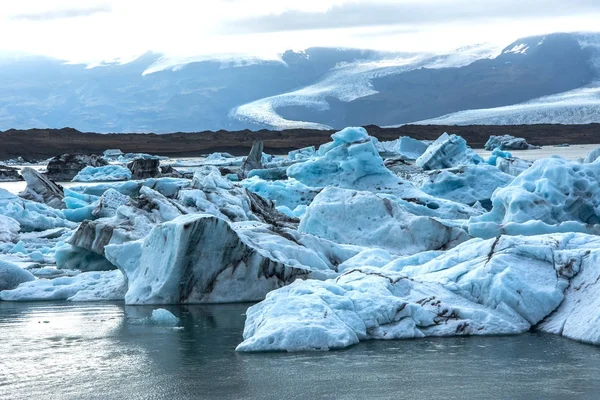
<point>39,144</point>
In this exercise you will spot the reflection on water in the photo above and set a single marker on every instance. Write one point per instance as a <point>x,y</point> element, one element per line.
<point>101,351</point>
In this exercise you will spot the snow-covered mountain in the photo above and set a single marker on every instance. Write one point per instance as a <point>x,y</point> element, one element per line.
<point>545,79</point>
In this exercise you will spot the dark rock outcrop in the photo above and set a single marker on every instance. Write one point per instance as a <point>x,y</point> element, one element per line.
<point>41,189</point>
<point>9,174</point>
<point>144,168</point>
<point>254,159</point>
<point>66,166</point>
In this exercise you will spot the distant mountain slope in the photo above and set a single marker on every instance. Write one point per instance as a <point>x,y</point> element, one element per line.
<point>525,70</point>
<point>541,79</point>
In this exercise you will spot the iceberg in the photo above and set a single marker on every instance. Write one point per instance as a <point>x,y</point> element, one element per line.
<point>104,173</point>
<point>446,152</point>
<point>351,161</point>
<point>204,259</point>
<point>302,154</point>
<point>554,195</point>
<point>406,147</point>
<point>86,286</point>
<point>467,184</point>
<point>30,215</point>
<point>508,142</point>
<point>289,193</point>
<point>41,189</point>
<point>9,229</point>
<point>163,317</point>
<point>375,221</point>
<point>577,317</point>
<point>12,276</point>
<point>482,287</point>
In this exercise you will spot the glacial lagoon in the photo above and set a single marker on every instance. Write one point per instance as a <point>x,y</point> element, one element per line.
<point>60,350</point>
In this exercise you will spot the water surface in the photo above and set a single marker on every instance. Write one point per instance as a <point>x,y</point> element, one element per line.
<point>62,350</point>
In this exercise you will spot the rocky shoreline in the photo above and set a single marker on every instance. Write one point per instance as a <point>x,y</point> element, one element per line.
<point>41,144</point>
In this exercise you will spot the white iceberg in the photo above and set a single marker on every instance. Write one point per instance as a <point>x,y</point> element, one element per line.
<point>407,147</point>
<point>466,184</point>
<point>554,195</point>
<point>163,317</point>
<point>103,174</point>
<point>375,221</point>
<point>446,152</point>
<point>12,276</point>
<point>203,259</point>
<point>87,286</point>
<point>482,287</point>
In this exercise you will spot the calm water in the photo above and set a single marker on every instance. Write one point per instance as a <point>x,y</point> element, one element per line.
<point>101,351</point>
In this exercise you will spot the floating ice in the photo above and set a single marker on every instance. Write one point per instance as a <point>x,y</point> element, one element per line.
<point>163,317</point>
<point>366,219</point>
<point>554,195</point>
<point>87,286</point>
<point>30,215</point>
<point>204,259</point>
<point>482,287</point>
<point>104,173</point>
<point>508,142</point>
<point>466,184</point>
<point>12,276</point>
<point>446,152</point>
<point>407,147</point>
<point>9,229</point>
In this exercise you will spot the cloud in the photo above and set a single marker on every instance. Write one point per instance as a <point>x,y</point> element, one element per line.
<point>51,15</point>
<point>378,13</point>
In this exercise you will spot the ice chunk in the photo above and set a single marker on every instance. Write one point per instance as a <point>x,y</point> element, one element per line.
<point>109,202</point>
<point>87,286</point>
<point>352,162</point>
<point>12,276</point>
<point>577,317</point>
<point>365,304</point>
<point>289,193</point>
<point>446,152</point>
<point>302,154</point>
<point>64,167</point>
<point>466,184</point>
<point>554,195</point>
<point>41,189</point>
<point>592,156</point>
<point>163,317</point>
<point>204,259</point>
<point>73,257</point>
<point>30,215</point>
<point>482,287</point>
<point>513,166</point>
<point>407,147</point>
<point>366,219</point>
<point>9,229</point>
<point>508,142</point>
<point>112,153</point>
<point>104,173</point>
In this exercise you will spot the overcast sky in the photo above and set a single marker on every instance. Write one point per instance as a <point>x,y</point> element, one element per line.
<point>92,31</point>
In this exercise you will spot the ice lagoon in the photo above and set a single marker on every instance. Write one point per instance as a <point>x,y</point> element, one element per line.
<point>337,245</point>
<point>101,351</point>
